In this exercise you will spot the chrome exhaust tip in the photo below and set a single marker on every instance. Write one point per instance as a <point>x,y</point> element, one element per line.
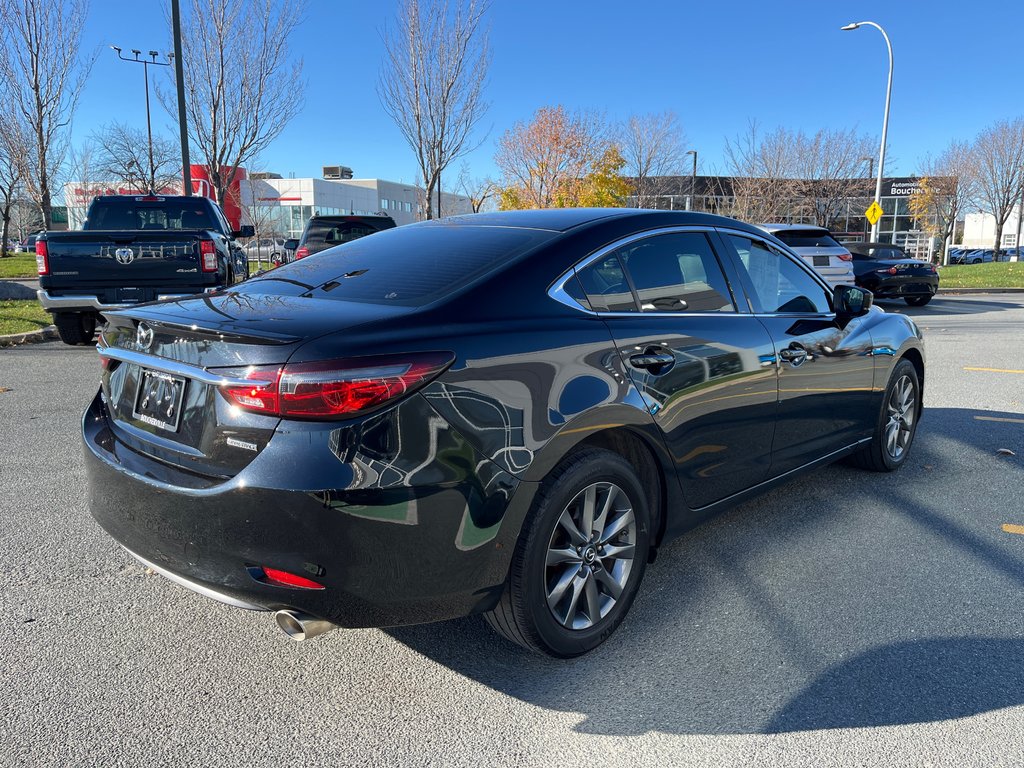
<point>301,626</point>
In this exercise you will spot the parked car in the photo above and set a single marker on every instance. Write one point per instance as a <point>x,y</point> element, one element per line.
<point>132,250</point>
<point>818,248</point>
<point>269,249</point>
<point>323,232</point>
<point>28,245</point>
<point>504,413</point>
<point>887,271</point>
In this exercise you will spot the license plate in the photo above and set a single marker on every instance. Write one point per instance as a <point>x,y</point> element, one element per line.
<point>821,261</point>
<point>158,401</point>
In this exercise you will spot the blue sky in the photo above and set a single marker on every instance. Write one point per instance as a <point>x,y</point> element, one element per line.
<point>717,64</point>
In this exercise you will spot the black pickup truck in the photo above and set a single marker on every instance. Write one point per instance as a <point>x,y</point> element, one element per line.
<point>135,249</point>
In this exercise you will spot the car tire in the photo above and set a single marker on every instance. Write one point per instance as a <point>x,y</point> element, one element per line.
<point>560,580</point>
<point>75,328</point>
<point>894,433</point>
<point>917,301</point>
<point>976,261</point>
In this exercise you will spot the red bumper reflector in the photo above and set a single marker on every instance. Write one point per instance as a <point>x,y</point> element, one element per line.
<point>285,579</point>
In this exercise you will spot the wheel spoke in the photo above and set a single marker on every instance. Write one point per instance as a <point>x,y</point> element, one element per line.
<point>891,432</point>
<point>558,555</point>
<point>561,586</point>
<point>611,586</point>
<point>577,589</point>
<point>587,511</point>
<point>616,527</point>
<point>565,521</point>
<point>619,551</point>
<point>602,518</point>
<point>593,599</point>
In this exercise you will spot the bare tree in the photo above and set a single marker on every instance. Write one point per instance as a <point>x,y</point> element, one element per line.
<point>653,146</point>
<point>240,89</point>
<point>761,169</point>
<point>43,75</point>
<point>11,149</point>
<point>432,80</point>
<point>480,191</point>
<point>999,159</point>
<point>948,186</point>
<point>827,169</point>
<point>122,155</point>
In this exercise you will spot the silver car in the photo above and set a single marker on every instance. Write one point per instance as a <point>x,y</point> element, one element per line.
<point>816,246</point>
<point>265,249</point>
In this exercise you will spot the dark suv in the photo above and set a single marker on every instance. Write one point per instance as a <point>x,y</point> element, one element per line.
<point>323,232</point>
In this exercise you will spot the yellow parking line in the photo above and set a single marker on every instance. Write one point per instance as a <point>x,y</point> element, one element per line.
<point>1010,528</point>
<point>992,370</point>
<point>999,418</point>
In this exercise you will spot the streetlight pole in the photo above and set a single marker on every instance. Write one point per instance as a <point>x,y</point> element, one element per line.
<point>179,82</point>
<point>145,71</point>
<point>885,118</point>
<point>693,182</point>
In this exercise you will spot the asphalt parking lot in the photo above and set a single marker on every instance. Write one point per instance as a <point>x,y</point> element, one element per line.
<point>844,619</point>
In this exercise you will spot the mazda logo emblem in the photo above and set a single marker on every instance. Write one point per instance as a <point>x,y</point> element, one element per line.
<point>144,336</point>
<point>124,255</point>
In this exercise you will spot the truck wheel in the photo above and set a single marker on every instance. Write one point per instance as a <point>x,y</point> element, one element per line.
<point>75,328</point>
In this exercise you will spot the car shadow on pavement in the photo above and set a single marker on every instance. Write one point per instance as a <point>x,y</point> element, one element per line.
<point>944,305</point>
<point>843,599</point>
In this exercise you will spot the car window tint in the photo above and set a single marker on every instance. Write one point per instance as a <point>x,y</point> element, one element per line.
<point>677,272</point>
<point>807,238</point>
<point>605,285</point>
<point>781,285</point>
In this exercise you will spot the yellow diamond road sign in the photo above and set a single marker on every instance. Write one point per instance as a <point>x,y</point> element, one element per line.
<point>873,213</point>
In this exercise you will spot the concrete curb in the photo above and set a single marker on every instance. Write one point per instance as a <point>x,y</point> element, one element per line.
<point>32,337</point>
<point>981,290</point>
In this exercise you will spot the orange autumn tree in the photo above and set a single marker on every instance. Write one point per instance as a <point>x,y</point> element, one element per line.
<point>560,160</point>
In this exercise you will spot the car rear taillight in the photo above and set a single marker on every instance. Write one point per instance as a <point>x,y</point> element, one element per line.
<point>889,271</point>
<point>208,255</point>
<point>42,258</point>
<point>301,252</point>
<point>334,389</point>
<point>846,257</point>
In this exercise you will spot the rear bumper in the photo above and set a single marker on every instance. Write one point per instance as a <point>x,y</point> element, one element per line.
<point>386,555</point>
<point>904,286</point>
<point>86,303</point>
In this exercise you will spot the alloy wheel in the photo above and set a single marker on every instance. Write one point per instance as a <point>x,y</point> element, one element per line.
<point>901,413</point>
<point>590,556</point>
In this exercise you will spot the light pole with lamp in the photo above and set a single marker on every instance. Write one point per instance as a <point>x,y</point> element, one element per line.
<point>693,181</point>
<point>885,118</point>
<point>145,69</point>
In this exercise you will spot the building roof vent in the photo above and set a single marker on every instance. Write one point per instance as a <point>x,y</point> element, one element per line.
<point>337,172</point>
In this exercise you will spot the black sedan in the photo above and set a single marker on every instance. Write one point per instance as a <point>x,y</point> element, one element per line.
<point>887,271</point>
<point>502,413</point>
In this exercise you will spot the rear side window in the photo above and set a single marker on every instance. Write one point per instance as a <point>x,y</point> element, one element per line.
<point>605,285</point>
<point>807,238</point>
<point>780,284</point>
<point>677,272</point>
<point>408,266</point>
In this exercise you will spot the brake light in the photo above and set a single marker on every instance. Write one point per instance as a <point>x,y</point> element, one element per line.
<point>335,389</point>
<point>301,252</point>
<point>42,258</point>
<point>286,579</point>
<point>890,270</point>
<point>846,257</point>
<point>208,255</point>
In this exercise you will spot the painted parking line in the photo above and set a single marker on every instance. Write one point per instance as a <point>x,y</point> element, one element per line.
<point>991,370</point>
<point>1000,418</point>
<point>1011,528</point>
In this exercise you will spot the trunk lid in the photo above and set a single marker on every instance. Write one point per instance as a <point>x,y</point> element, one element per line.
<point>164,362</point>
<point>126,258</point>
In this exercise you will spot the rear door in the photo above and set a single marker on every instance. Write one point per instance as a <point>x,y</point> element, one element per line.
<point>825,368</point>
<point>697,358</point>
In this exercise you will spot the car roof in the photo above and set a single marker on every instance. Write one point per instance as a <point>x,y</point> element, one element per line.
<point>788,227</point>
<point>565,219</point>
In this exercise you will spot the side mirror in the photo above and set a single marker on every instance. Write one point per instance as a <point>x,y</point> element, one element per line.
<point>851,301</point>
<point>291,245</point>
<point>246,230</point>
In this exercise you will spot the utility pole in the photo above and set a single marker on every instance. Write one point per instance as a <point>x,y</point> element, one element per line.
<point>179,81</point>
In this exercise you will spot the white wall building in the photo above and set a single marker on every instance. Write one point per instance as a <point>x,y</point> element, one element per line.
<point>283,206</point>
<point>980,230</point>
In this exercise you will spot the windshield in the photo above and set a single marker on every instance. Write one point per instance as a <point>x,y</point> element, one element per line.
<point>807,238</point>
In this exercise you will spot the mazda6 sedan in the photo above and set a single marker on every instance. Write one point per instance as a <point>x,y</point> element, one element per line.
<point>504,414</point>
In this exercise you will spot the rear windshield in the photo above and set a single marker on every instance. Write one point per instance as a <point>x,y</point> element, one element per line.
<point>409,266</point>
<point>129,213</point>
<point>337,232</point>
<point>807,238</point>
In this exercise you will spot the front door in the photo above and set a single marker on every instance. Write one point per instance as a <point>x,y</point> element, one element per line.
<point>825,366</point>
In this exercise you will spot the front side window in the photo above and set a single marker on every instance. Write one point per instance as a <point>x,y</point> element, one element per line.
<point>779,283</point>
<point>676,272</point>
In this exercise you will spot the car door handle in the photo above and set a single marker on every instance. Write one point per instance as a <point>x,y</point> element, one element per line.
<point>793,354</point>
<point>655,362</point>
